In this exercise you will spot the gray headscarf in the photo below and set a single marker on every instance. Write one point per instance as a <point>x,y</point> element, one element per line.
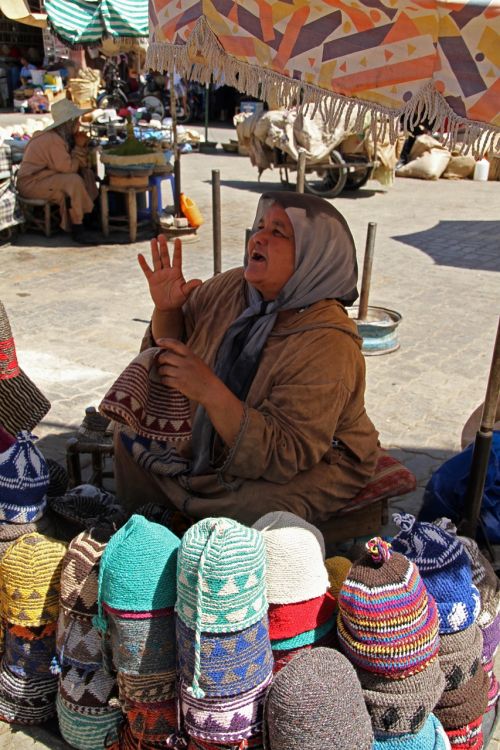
<point>325,268</point>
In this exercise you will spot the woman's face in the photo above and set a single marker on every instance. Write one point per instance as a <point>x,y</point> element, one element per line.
<point>271,253</point>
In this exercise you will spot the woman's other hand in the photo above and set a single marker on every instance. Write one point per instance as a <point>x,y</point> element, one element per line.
<point>179,368</point>
<point>168,288</point>
<point>81,139</point>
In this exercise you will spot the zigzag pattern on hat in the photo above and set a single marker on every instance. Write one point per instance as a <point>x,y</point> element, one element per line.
<point>79,575</point>
<point>78,642</point>
<point>86,689</point>
<point>151,688</point>
<point>153,723</point>
<point>142,646</point>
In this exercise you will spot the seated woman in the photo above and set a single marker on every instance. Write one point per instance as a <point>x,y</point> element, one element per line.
<point>273,369</point>
<point>54,168</point>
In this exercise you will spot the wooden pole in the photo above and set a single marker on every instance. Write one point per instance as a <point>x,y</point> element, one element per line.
<point>216,221</point>
<point>175,144</point>
<point>301,172</point>
<point>367,270</point>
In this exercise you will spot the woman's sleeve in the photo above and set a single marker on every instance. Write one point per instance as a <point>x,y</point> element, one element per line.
<point>292,429</point>
<point>61,160</point>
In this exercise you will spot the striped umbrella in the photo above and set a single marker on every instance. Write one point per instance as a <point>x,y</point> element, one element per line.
<point>78,22</point>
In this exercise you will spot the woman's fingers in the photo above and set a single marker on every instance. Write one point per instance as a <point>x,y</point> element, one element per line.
<point>147,271</point>
<point>159,253</point>
<point>177,259</point>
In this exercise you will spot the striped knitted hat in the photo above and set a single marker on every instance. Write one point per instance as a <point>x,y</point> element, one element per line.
<point>85,507</point>
<point>9,532</point>
<point>316,702</point>
<point>151,688</point>
<point>468,736</point>
<point>283,656</point>
<point>26,701</point>
<point>24,479</point>
<point>306,638</point>
<point>88,732</point>
<point>402,706</point>
<point>230,663</point>
<point>30,573</point>
<point>141,645</point>
<point>431,737</point>
<point>220,580</point>
<point>28,652</point>
<point>58,479</point>
<point>388,623</point>
<point>445,568</point>
<point>295,555</point>
<point>460,655</point>
<point>137,572</point>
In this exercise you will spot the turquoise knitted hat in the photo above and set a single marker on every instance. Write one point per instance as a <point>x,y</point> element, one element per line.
<point>221,580</point>
<point>431,737</point>
<point>138,569</point>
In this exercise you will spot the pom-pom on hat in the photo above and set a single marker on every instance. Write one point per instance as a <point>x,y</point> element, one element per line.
<point>388,624</point>
<point>316,702</point>
<point>24,479</point>
<point>295,554</point>
<point>445,568</point>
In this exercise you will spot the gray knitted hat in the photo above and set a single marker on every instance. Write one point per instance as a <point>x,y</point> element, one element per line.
<point>316,702</point>
<point>460,655</point>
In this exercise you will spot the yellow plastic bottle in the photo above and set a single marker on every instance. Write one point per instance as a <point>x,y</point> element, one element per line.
<point>191,211</point>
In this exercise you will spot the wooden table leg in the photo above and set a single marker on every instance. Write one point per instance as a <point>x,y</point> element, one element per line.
<point>104,211</point>
<point>154,204</point>
<point>132,214</point>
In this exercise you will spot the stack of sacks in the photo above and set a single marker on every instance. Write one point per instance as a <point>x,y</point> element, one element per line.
<point>84,507</point>
<point>316,702</point>
<point>137,594</point>
<point>388,627</point>
<point>301,609</point>
<point>88,715</point>
<point>30,573</point>
<point>446,571</point>
<point>24,480</point>
<point>224,652</point>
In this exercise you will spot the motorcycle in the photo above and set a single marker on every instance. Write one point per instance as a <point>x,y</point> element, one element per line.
<point>189,98</point>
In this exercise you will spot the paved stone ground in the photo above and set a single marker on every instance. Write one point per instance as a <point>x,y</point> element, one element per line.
<point>78,313</point>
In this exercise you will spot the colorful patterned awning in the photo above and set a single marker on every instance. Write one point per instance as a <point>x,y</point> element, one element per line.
<point>406,59</point>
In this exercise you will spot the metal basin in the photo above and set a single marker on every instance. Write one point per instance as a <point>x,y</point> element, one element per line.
<point>378,330</point>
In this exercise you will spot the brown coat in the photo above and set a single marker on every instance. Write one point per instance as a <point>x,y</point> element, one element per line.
<point>309,386</point>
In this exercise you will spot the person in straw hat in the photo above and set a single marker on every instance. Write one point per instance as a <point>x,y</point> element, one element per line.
<point>54,167</point>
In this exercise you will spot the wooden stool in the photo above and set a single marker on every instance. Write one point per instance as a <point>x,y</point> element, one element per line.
<point>131,193</point>
<point>92,439</point>
<point>39,213</point>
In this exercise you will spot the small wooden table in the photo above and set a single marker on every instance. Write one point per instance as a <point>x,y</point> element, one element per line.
<point>131,193</point>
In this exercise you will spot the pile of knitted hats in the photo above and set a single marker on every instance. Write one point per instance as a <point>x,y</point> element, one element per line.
<point>388,627</point>
<point>89,715</point>
<point>136,599</point>
<point>224,652</point>
<point>84,507</point>
<point>301,609</point>
<point>446,570</point>
<point>29,601</point>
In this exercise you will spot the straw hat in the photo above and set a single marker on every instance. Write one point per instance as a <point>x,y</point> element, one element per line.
<point>22,405</point>
<point>63,111</point>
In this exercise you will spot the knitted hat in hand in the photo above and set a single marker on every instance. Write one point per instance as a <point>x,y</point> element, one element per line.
<point>316,702</point>
<point>9,532</point>
<point>445,568</point>
<point>388,623</point>
<point>85,507</point>
<point>337,569</point>
<point>24,479</point>
<point>460,655</point>
<point>461,706</point>
<point>402,706</point>
<point>26,701</point>
<point>139,400</point>
<point>137,572</point>
<point>289,620</point>
<point>220,580</point>
<point>27,656</point>
<point>295,555</point>
<point>142,645</point>
<point>467,737</point>
<point>30,574</point>
<point>431,737</point>
<point>88,731</point>
<point>230,663</point>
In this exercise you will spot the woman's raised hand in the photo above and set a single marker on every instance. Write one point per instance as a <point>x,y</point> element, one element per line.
<point>168,288</point>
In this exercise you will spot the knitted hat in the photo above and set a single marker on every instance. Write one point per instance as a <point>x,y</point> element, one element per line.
<point>26,701</point>
<point>153,723</point>
<point>224,720</point>
<point>491,639</point>
<point>88,732</point>
<point>253,743</point>
<point>460,655</point>
<point>494,688</point>
<point>137,572</point>
<point>466,703</point>
<point>30,573</point>
<point>220,580</point>
<point>85,507</point>
<point>9,532</point>
<point>28,656</point>
<point>316,702</point>
<point>77,642</point>
<point>388,624</point>
<point>468,736</point>
<point>142,645</point>
<point>85,689</point>
<point>337,569</point>
<point>22,405</point>
<point>289,620</point>
<point>307,638</point>
<point>140,400</point>
<point>24,479</point>
<point>295,554</point>
<point>283,656</point>
<point>230,663</point>
<point>170,517</point>
<point>80,572</point>
<point>58,479</point>
<point>402,706</point>
<point>151,688</point>
<point>445,568</point>
<point>6,439</point>
<point>431,737</point>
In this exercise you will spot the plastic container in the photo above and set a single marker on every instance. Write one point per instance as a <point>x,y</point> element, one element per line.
<point>191,211</point>
<point>482,170</point>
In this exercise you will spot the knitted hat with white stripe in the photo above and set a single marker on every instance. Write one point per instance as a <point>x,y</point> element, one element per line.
<point>24,479</point>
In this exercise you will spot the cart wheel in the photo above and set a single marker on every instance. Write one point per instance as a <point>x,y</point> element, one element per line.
<point>153,105</point>
<point>327,182</point>
<point>116,100</point>
<point>360,176</point>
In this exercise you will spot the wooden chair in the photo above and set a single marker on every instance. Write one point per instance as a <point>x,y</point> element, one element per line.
<point>40,214</point>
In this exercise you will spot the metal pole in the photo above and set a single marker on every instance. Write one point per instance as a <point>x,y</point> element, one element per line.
<point>482,446</point>
<point>177,155</point>
<point>301,172</point>
<point>367,270</point>
<point>207,105</point>
<point>216,221</point>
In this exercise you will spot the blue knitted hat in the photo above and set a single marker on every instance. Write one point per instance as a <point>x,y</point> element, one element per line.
<point>137,572</point>
<point>221,580</point>
<point>24,479</point>
<point>445,569</point>
<point>431,737</point>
